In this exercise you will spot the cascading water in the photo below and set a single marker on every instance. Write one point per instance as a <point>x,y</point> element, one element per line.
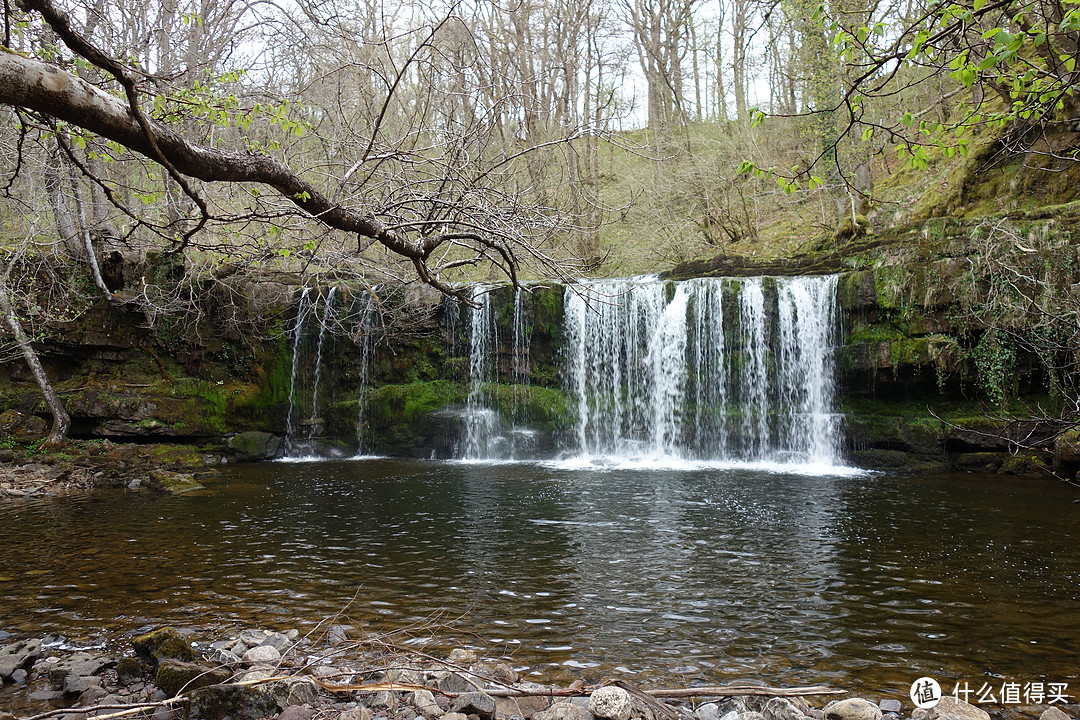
<point>708,369</point>
<point>302,310</point>
<point>366,326</point>
<point>314,422</point>
<point>481,421</point>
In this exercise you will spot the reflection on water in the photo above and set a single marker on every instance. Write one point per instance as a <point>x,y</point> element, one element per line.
<point>864,582</point>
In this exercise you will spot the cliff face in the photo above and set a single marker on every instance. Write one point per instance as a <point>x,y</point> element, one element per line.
<point>948,335</point>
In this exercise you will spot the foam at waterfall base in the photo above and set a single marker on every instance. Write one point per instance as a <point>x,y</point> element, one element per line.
<point>681,464</point>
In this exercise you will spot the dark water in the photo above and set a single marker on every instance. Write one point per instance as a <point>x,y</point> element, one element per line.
<point>862,582</point>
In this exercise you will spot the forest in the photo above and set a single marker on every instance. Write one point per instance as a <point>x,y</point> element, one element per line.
<point>219,145</point>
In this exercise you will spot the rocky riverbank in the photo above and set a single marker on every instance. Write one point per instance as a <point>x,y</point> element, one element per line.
<point>84,465</point>
<point>165,674</point>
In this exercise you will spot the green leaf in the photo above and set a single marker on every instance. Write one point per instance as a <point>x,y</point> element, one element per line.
<point>988,62</point>
<point>867,133</point>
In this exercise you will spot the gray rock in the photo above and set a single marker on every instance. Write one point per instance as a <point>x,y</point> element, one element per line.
<point>425,704</point>
<point>231,702</point>
<point>262,655</point>
<point>405,675</point>
<point>954,707</point>
<point>277,641</point>
<point>475,703</point>
<point>708,711</point>
<point>384,699</point>
<point>561,710</point>
<point>730,715</point>
<point>456,683</point>
<point>18,656</point>
<point>505,674</point>
<point>611,702</point>
<point>296,712</point>
<point>176,676</point>
<point>455,716</point>
<point>816,713</point>
<point>338,634</point>
<point>80,664</point>
<point>92,696</point>
<point>853,709</point>
<point>751,715</point>
<point>360,713</point>
<point>1054,713</point>
<point>779,708</point>
<point>461,656</point>
<point>77,684</point>
<point>224,657</point>
<point>252,638</point>
<point>293,691</point>
<point>890,705</point>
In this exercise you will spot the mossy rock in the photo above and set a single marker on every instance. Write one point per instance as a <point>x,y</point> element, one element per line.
<point>231,702</point>
<point>162,643</point>
<point>254,445</point>
<point>980,462</point>
<point>176,676</point>
<point>174,483</point>
<point>129,669</point>
<point>1023,465</point>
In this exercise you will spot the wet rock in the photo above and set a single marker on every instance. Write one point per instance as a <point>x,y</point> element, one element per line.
<point>253,446</point>
<point>852,709</point>
<point>165,642</point>
<point>231,702</point>
<point>80,664</point>
<point>475,703</point>
<point>890,705</point>
<point>176,676</point>
<point>46,695</point>
<point>278,641</point>
<point>19,655</point>
<point>1053,713</point>
<point>252,638</point>
<point>508,708</point>
<point>262,655</point>
<point>751,715</point>
<point>77,684</point>
<point>611,702</point>
<point>954,709</point>
<point>779,708</point>
<point>293,691</point>
<point>174,483</point>
<point>561,710</point>
<point>128,670</point>
<point>461,656</point>
<point>19,676</point>
<point>224,657</point>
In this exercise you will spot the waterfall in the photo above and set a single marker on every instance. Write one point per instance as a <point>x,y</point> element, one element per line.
<point>302,309</point>
<point>481,421</point>
<point>366,325</point>
<point>707,369</point>
<point>315,422</point>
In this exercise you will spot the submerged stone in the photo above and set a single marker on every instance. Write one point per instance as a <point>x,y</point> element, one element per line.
<point>231,702</point>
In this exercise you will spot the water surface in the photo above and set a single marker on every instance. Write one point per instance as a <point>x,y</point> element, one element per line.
<point>660,576</point>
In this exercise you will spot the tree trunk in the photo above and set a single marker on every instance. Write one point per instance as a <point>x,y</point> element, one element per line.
<point>61,420</point>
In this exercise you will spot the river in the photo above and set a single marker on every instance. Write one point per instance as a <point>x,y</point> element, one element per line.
<point>670,576</point>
